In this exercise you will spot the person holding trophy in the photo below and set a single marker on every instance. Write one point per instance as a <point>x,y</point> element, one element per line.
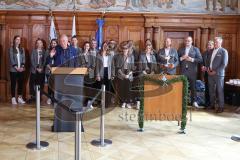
<point>167,58</point>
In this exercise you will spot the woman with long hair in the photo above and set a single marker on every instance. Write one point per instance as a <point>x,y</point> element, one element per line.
<point>38,61</point>
<point>17,68</point>
<point>105,70</point>
<point>49,64</point>
<point>87,60</point>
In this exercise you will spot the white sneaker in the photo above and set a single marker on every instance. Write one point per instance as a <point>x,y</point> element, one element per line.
<point>196,105</point>
<point>21,101</point>
<point>14,102</point>
<point>138,105</point>
<point>129,106</point>
<point>49,101</point>
<point>123,105</point>
<point>90,106</point>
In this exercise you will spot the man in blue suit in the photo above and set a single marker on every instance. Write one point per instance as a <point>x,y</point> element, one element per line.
<point>190,57</point>
<point>64,55</point>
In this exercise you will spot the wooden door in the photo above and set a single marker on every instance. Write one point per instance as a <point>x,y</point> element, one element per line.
<point>177,37</point>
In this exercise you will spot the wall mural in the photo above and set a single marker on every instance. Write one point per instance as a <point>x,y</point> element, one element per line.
<point>159,6</point>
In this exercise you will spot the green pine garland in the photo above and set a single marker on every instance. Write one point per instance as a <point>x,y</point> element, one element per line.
<point>180,78</point>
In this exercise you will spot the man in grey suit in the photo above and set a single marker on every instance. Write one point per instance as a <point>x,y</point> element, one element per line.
<point>190,57</point>
<point>217,63</point>
<point>167,58</point>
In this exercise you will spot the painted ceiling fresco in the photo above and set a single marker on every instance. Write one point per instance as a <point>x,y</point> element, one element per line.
<point>159,6</point>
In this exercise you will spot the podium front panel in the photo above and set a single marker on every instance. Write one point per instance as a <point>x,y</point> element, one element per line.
<point>69,91</point>
<point>165,104</point>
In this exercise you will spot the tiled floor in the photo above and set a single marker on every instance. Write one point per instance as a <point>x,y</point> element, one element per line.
<point>207,138</point>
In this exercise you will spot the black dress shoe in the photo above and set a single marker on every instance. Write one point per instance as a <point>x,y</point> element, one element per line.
<point>220,110</point>
<point>31,100</point>
<point>210,108</point>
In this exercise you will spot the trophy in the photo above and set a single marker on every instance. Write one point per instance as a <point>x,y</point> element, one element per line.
<point>167,58</point>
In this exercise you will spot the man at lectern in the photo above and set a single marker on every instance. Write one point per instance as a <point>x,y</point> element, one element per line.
<point>64,55</point>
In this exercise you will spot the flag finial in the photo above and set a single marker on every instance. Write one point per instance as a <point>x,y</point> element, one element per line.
<point>50,11</point>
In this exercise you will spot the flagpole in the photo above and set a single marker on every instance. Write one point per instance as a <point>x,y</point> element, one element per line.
<point>53,33</point>
<point>74,32</point>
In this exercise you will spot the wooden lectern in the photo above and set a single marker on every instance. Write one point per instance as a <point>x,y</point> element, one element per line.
<point>68,87</point>
<point>163,102</point>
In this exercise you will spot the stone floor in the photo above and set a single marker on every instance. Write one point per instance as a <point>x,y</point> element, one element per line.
<point>207,138</point>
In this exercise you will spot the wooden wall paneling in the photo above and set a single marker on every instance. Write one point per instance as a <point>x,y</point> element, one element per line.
<point>111,32</point>
<point>138,27</point>
<point>229,43</point>
<point>177,37</point>
<point>197,39</point>
<point>212,33</point>
<point>157,38</point>
<point>2,51</point>
<point>148,33</point>
<point>161,38</point>
<point>204,39</point>
<point>135,33</point>
<point>84,36</point>
<point>238,52</point>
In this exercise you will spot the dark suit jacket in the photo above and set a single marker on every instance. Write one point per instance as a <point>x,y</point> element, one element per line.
<point>34,60</point>
<point>120,65</point>
<point>174,59</point>
<point>207,58</point>
<point>190,68</point>
<point>220,62</point>
<point>91,64</point>
<point>143,65</point>
<point>66,58</point>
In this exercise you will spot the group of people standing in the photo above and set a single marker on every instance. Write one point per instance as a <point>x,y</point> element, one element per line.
<point>120,66</point>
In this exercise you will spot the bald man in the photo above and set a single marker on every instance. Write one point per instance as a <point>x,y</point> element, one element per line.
<point>64,55</point>
<point>190,57</point>
<point>167,58</point>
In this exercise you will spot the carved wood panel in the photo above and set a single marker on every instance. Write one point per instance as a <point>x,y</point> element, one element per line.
<point>229,43</point>
<point>111,33</point>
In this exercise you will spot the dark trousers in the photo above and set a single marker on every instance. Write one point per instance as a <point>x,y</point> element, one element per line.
<point>207,97</point>
<point>36,79</point>
<point>192,86</point>
<point>89,90</point>
<point>50,91</point>
<point>109,88</point>
<point>125,90</point>
<point>16,77</point>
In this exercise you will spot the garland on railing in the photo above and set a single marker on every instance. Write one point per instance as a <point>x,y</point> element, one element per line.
<point>180,78</point>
